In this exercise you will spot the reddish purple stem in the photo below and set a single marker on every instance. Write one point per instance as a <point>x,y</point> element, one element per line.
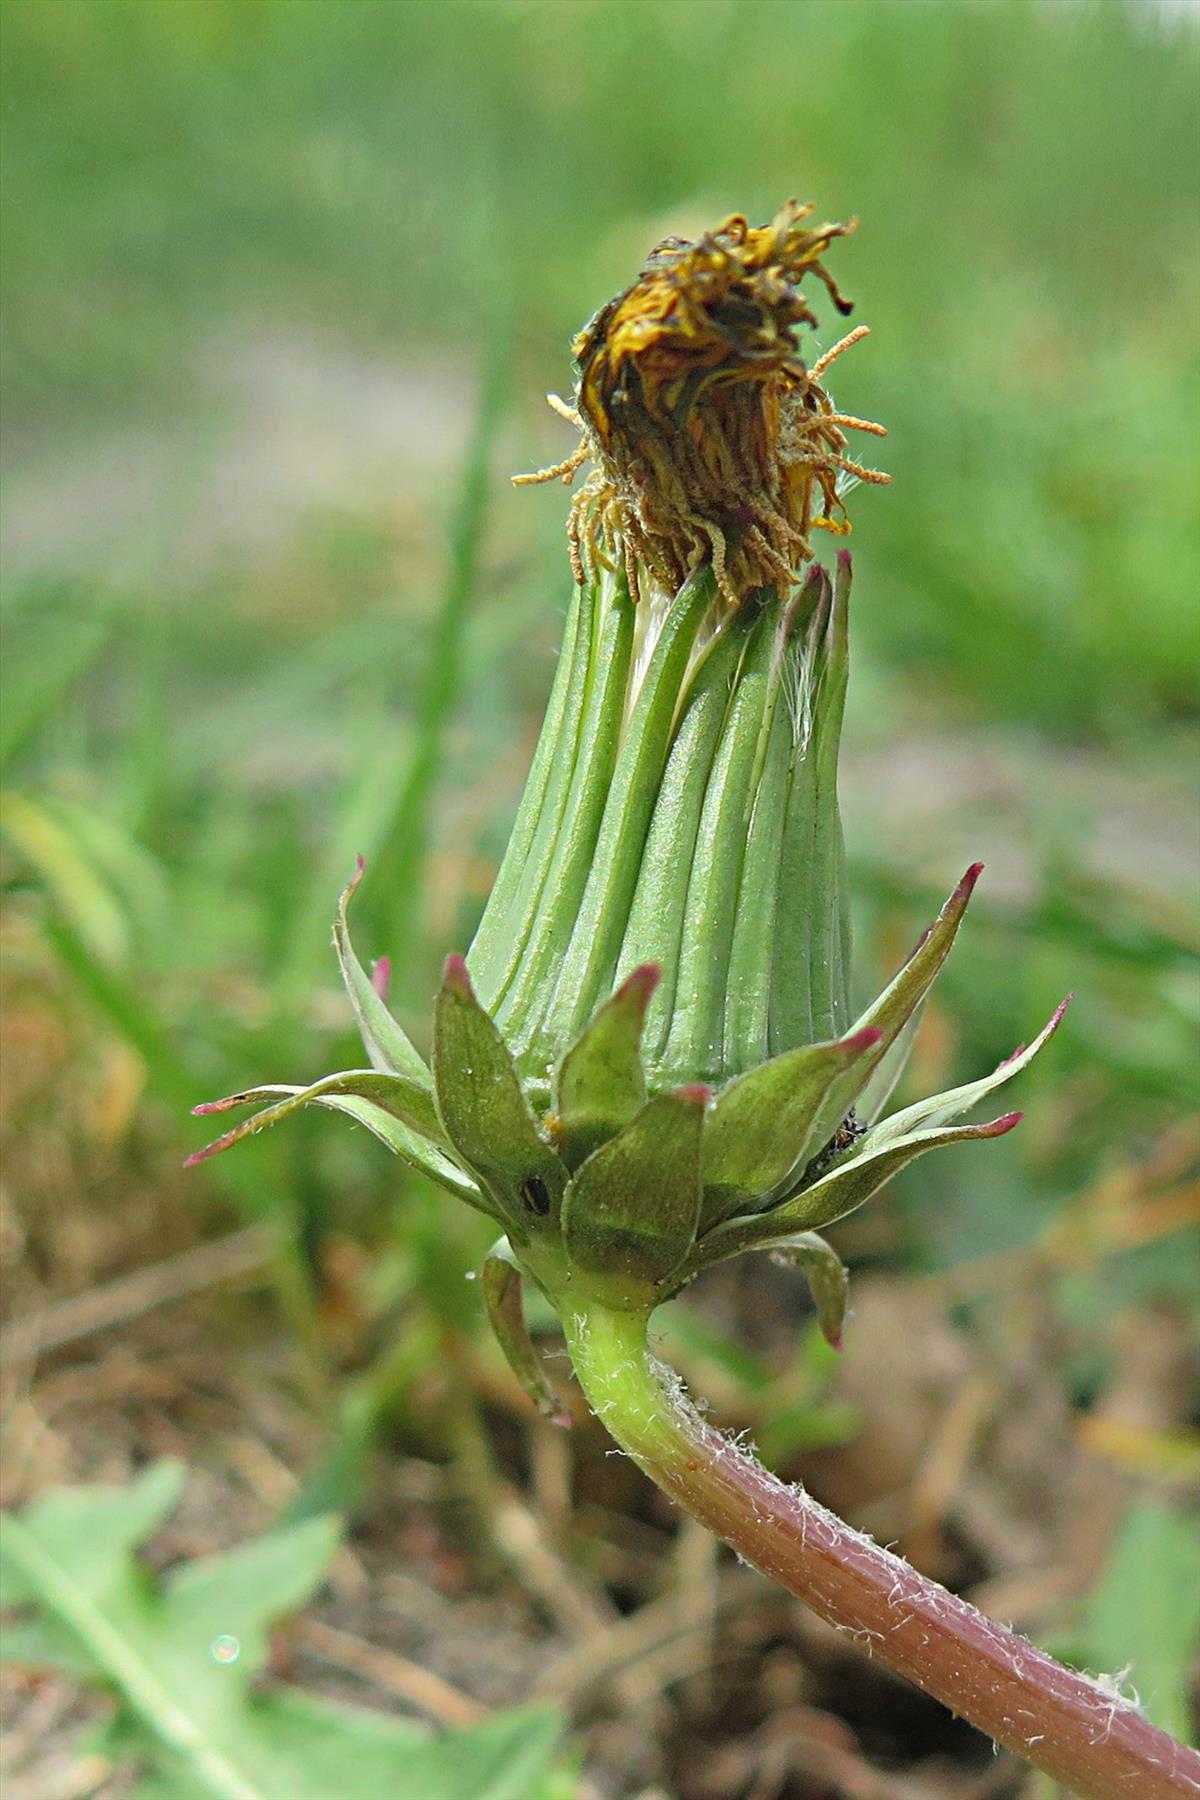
<point>1094,1741</point>
<point>1091,1739</point>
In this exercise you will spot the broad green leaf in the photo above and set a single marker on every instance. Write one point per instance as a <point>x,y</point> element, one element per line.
<point>505,1759</point>
<point>317,1747</point>
<point>233,1597</point>
<point>386,1044</point>
<point>846,1187</point>
<point>760,1129</point>
<point>94,1527</point>
<point>189,1688</point>
<point>94,1531</point>
<point>183,1655</point>
<point>630,1214</point>
<point>484,1110</point>
<point>326,1751</point>
<point>506,1314</point>
<point>601,1084</point>
<point>322,1747</point>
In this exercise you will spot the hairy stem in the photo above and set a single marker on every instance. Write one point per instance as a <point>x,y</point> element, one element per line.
<point>1092,1740</point>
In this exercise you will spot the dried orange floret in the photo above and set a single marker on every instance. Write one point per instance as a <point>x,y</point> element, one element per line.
<point>711,437</point>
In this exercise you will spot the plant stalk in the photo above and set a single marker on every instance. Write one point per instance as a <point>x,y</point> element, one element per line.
<point>1092,1740</point>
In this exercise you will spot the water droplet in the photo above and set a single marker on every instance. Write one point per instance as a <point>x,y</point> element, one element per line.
<point>226,1648</point>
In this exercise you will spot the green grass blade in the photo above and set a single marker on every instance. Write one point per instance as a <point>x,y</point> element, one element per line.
<point>399,862</point>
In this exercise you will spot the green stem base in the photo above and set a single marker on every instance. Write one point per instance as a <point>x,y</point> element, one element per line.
<point>1091,1740</point>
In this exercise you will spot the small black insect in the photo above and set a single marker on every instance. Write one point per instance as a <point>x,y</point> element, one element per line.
<point>847,1134</point>
<point>536,1195</point>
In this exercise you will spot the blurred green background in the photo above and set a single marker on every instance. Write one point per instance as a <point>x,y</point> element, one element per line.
<point>284,282</point>
<point>259,257</point>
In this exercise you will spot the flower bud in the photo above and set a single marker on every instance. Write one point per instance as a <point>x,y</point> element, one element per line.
<point>649,1060</point>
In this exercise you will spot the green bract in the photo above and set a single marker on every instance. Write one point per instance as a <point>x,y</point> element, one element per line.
<point>647,1062</point>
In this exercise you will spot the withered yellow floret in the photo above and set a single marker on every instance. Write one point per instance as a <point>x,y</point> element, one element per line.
<point>711,437</point>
